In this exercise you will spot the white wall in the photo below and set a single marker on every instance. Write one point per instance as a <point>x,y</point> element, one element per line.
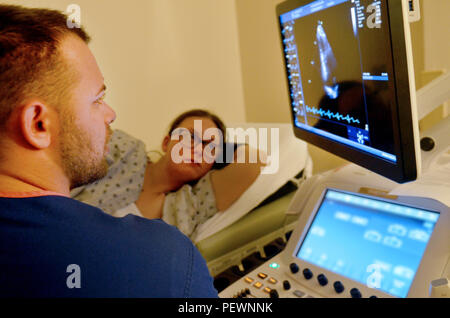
<point>162,57</point>
<point>436,19</point>
<point>194,58</point>
<point>264,82</point>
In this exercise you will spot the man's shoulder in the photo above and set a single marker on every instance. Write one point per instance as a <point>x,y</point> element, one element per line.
<point>63,211</point>
<point>131,227</point>
<point>155,229</point>
<point>119,257</point>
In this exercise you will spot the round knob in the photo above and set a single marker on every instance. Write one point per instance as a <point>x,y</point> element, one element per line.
<point>307,273</point>
<point>243,293</point>
<point>427,144</point>
<point>294,268</point>
<point>286,285</point>
<point>338,287</point>
<point>274,294</point>
<point>322,279</point>
<point>355,293</point>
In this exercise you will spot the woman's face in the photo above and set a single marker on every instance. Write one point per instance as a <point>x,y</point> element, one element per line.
<point>191,154</point>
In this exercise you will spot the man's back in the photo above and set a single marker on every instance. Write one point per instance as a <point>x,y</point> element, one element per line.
<point>53,246</point>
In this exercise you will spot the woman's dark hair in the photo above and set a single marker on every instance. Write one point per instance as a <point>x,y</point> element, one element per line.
<point>198,113</point>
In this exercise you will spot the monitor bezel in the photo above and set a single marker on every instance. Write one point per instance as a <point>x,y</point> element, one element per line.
<point>407,166</point>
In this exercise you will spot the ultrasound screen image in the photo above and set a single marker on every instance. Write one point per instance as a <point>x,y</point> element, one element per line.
<point>338,58</point>
<point>327,62</point>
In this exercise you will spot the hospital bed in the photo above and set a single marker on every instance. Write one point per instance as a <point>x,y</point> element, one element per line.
<point>250,234</point>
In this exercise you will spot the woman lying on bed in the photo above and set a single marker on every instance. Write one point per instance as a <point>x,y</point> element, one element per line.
<point>185,194</point>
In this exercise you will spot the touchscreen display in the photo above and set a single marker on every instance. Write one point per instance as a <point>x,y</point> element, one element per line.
<point>375,242</point>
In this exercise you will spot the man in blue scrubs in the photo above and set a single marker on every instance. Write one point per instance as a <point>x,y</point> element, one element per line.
<point>54,130</point>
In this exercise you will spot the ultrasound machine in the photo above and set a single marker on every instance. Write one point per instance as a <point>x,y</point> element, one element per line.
<point>352,92</point>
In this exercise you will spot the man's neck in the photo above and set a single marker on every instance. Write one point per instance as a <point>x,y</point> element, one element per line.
<point>12,184</point>
<point>32,178</point>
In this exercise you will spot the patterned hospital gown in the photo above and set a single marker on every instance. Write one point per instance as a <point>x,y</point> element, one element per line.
<point>116,193</point>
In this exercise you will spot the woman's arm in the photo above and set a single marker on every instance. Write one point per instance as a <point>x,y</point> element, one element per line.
<point>230,182</point>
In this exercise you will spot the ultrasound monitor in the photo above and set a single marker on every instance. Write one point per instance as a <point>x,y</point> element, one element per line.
<point>350,79</point>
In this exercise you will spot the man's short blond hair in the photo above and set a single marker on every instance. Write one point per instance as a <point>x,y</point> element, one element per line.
<point>31,64</point>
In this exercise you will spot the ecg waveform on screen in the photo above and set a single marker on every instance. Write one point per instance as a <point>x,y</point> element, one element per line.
<point>331,115</point>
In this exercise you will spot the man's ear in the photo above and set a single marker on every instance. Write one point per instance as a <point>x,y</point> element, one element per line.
<point>35,124</point>
<point>165,143</point>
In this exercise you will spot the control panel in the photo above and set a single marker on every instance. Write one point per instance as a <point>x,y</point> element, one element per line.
<point>277,280</point>
<point>354,245</point>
